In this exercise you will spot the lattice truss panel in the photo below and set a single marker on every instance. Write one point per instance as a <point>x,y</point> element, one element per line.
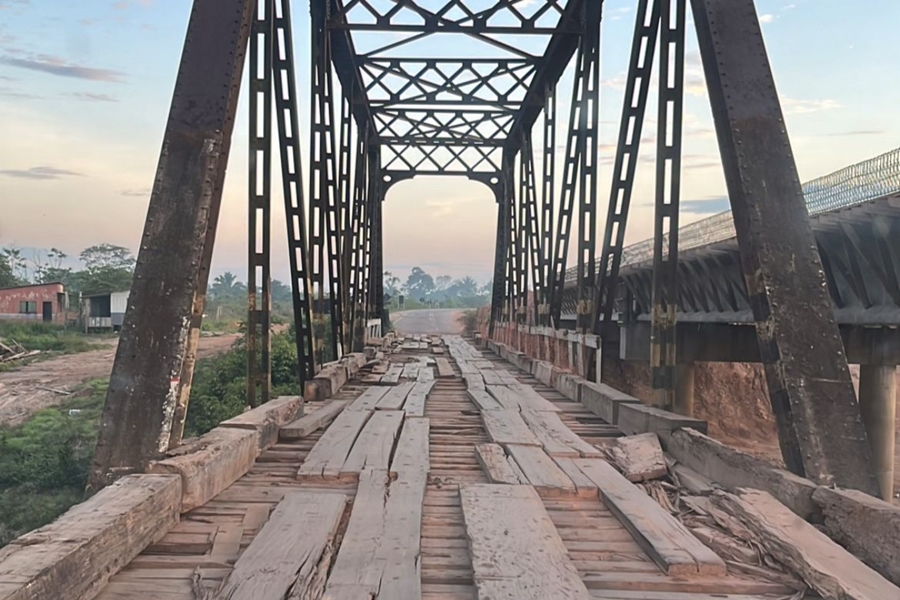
<point>443,80</point>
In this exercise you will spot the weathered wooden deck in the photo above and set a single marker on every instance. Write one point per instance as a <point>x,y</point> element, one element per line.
<point>596,548</point>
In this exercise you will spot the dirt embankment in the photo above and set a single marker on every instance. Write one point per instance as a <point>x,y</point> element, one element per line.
<point>733,398</point>
<point>47,383</point>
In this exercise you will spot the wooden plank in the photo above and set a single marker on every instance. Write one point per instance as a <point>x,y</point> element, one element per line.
<point>374,445</point>
<point>506,426</point>
<point>400,549</point>
<point>583,485</point>
<point>445,369</point>
<point>474,381</point>
<point>73,557</point>
<point>483,400</point>
<point>210,464</point>
<point>410,370</point>
<point>494,463</point>
<point>516,550</point>
<point>467,368</point>
<point>314,421</point>
<point>267,419</point>
<point>491,377</point>
<point>369,399</point>
<point>541,471</point>
<point>823,564</point>
<point>669,543</point>
<point>557,438</point>
<point>291,552</point>
<point>426,374</point>
<point>640,457</point>
<point>412,449</point>
<point>329,454</point>
<point>393,375</point>
<point>530,398</point>
<point>415,402</point>
<point>395,397</point>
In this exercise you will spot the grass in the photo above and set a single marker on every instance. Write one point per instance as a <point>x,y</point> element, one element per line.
<point>44,462</point>
<point>45,337</point>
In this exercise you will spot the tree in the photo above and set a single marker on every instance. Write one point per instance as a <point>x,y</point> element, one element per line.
<point>443,282</point>
<point>390,284</point>
<point>107,256</point>
<point>419,283</point>
<point>7,276</point>
<point>48,268</point>
<point>226,286</point>
<point>108,268</point>
<point>16,263</point>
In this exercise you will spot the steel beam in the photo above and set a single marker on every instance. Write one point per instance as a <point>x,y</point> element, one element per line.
<point>819,425</point>
<point>173,261</point>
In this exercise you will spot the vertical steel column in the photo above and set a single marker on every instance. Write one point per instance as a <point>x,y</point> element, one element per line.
<point>376,246</point>
<point>324,201</point>
<point>664,289</point>
<point>589,142</point>
<point>292,187</point>
<point>176,246</point>
<point>357,243</point>
<point>531,226</point>
<point>259,221</point>
<point>345,199</point>
<point>513,232</point>
<point>522,240</point>
<point>646,28</point>
<point>819,424</point>
<point>501,254</point>
<point>548,181</point>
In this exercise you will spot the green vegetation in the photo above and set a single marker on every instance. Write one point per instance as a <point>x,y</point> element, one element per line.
<point>421,290</point>
<point>45,337</point>
<point>469,320</point>
<point>44,462</point>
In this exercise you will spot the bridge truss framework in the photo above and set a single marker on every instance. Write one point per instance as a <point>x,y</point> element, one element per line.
<point>382,113</point>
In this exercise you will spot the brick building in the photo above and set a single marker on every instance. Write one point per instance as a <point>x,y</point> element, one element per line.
<point>46,302</point>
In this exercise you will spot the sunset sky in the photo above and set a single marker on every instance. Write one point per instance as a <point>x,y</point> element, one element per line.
<point>85,89</point>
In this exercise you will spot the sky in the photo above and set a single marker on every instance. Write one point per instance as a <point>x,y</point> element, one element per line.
<point>85,89</point>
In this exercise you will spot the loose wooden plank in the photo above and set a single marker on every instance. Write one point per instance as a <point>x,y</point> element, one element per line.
<point>410,370</point>
<point>822,563</point>
<point>415,402</point>
<point>395,397</point>
<point>267,419</point>
<point>445,369</point>
<point>474,381</point>
<point>530,398</point>
<point>210,464</point>
<point>369,399</point>
<point>640,457</point>
<point>584,487</point>
<point>541,471</point>
<point>506,426</point>
<point>329,454</point>
<point>557,438</point>
<point>669,543</point>
<point>483,400</point>
<point>400,549</point>
<point>467,368</point>
<point>412,449</point>
<point>374,445</point>
<point>426,374</point>
<point>516,550</point>
<point>393,375</point>
<point>291,552</point>
<point>73,557</point>
<point>491,377</point>
<point>314,421</point>
<point>494,463</point>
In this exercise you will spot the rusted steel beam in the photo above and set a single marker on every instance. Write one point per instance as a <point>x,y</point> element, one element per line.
<point>136,423</point>
<point>819,424</point>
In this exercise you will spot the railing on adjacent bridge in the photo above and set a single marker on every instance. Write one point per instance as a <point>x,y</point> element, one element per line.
<point>856,184</point>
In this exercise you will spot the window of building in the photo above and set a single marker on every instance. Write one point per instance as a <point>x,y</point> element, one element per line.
<point>28,308</point>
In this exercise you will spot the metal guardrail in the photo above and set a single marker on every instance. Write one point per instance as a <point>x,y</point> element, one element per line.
<point>856,184</point>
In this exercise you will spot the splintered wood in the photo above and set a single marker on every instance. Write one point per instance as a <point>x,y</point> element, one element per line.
<point>516,549</point>
<point>329,454</point>
<point>640,457</point>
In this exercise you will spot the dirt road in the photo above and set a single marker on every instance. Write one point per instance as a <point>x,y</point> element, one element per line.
<point>438,320</point>
<point>45,383</point>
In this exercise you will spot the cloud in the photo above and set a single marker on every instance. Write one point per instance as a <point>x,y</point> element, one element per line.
<point>7,4</point>
<point>136,193</point>
<point>798,107</point>
<point>857,132</point>
<point>705,206</point>
<point>767,18</point>
<point>60,68</point>
<point>39,173</point>
<point>6,92</point>
<point>93,97</point>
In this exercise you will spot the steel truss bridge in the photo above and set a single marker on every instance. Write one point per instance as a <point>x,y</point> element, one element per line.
<point>389,101</point>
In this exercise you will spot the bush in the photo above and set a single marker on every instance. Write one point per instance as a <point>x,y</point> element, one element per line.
<point>45,337</point>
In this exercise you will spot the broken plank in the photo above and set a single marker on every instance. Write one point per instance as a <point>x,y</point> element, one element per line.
<point>474,381</point>
<point>491,377</point>
<point>483,400</point>
<point>291,553</point>
<point>374,445</point>
<point>493,461</point>
<point>415,402</point>
<point>315,420</point>
<point>516,550</point>
<point>399,550</point>
<point>426,374</point>
<point>669,543</point>
<point>507,427</point>
<point>445,369</point>
<point>412,449</point>
<point>583,485</point>
<point>267,419</point>
<point>541,471</point>
<point>410,370</point>
<point>640,457</point>
<point>395,397</point>
<point>557,438</point>
<point>822,563</point>
<point>329,454</point>
<point>393,375</point>
<point>369,399</point>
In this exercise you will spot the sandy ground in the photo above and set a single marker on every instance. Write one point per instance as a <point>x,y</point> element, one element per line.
<point>734,399</point>
<point>38,385</point>
<point>438,320</point>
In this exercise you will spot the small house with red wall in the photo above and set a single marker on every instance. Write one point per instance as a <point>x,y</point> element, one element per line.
<point>47,302</point>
